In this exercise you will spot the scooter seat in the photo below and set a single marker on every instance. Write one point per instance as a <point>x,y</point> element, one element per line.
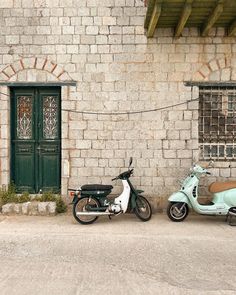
<point>96,187</point>
<point>217,187</point>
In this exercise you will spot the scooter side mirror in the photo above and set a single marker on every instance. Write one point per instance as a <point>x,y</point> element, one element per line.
<point>130,161</point>
<point>211,164</point>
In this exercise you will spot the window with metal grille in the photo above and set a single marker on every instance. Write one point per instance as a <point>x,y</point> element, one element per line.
<point>217,122</point>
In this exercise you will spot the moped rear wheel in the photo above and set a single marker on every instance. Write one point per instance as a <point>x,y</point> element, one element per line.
<point>143,209</point>
<point>177,211</point>
<point>81,205</point>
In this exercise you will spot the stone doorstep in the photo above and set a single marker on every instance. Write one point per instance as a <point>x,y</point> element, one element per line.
<point>30,208</point>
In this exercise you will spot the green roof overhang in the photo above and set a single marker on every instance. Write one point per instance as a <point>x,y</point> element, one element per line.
<point>202,14</point>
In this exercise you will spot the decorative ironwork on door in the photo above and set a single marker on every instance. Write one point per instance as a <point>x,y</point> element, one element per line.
<point>50,118</point>
<point>24,117</point>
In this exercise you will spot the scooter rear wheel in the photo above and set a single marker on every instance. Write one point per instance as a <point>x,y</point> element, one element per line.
<point>174,213</point>
<point>80,206</point>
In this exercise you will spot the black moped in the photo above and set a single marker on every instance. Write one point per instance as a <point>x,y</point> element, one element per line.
<point>90,201</point>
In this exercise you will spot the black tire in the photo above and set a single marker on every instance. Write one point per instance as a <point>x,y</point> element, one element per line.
<point>80,207</point>
<point>176,215</point>
<point>143,209</point>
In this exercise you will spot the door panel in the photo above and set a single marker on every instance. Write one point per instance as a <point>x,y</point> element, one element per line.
<point>35,130</point>
<point>49,173</point>
<point>24,166</point>
<point>49,139</point>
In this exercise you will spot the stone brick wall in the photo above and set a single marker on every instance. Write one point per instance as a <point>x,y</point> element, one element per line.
<point>102,46</point>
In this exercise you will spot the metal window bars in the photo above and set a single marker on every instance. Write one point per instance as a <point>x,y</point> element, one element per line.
<point>217,122</point>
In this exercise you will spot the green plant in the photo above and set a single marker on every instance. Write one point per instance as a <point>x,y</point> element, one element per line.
<point>8,195</point>
<point>1,201</point>
<point>47,197</point>
<point>50,197</point>
<point>25,197</point>
<point>60,205</point>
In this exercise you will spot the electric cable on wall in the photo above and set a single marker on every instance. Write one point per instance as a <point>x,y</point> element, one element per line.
<point>125,112</point>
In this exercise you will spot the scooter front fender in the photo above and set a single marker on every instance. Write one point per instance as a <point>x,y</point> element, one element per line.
<point>180,197</point>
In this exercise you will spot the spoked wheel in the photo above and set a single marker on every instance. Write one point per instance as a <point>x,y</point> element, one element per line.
<point>177,211</point>
<point>82,206</point>
<point>143,209</point>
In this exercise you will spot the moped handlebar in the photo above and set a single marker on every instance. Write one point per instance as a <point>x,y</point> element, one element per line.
<point>124,175</point>
<point>209,173</point>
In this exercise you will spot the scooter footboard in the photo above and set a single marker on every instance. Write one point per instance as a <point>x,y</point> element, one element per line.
<point>180,197</point>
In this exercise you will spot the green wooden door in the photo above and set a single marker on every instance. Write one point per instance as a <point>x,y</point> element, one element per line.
<point>35,136</point>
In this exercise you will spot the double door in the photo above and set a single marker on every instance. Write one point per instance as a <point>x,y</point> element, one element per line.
<point>36,139</point>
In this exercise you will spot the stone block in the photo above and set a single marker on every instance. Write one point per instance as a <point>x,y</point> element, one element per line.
<point>44,30</point>
<point>33,208</point>
<point>225,172</point>
<point>119,3</point>
<point>66,168</point>
<point>221,63</point>
<point>225,75</point>
<point>17,208</point>
<point>109,21</point>
<point>17,66</point>
<point>184,154</point>
<point>3,77</point>
<point>25,208</point>
<point>92,30</point>
<point>6,4</point>
<point>51,207</point>
<point>9,71</point>
<point>83,144</point>
<point>170,154</point>
<point>182,125</point>
<point>49,66</point>
<point>29,63</point>
<point>7,208</point>
<point>64,77</point>
<point>214,65</point>
<point>42,208</point>
<point>68,30</point>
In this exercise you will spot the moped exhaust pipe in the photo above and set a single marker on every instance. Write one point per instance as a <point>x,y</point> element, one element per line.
<point>94,213</point>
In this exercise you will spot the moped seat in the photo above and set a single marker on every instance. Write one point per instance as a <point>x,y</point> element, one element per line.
<point>96,187</point>
<point>216,187</point>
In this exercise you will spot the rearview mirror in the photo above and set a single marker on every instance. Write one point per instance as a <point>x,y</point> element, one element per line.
<point>130,161</point>
<point>211,164</point>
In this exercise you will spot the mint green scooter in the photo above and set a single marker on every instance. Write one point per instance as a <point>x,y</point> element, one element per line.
<point>224,197</point>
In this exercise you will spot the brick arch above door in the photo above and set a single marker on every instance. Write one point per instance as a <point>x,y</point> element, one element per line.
<point>222,69</point>
<point>34,69</point>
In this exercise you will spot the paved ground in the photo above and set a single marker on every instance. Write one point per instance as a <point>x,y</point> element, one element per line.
<point>56,255</point>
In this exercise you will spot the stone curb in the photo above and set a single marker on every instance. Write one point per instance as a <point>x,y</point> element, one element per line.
<point>30,208</point>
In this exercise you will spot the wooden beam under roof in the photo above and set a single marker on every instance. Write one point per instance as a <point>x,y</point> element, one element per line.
<point>213,17</point>
<point>232,29</point>
<point>154,18</point>
<point>184,17</point>
<point>150,6</point>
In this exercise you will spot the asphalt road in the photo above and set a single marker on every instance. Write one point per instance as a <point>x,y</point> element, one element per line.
<point>56,255</point>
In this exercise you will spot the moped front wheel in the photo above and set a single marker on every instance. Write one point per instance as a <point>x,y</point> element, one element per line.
<point>143,209</point>
<point>82,206</point>
<point>177,211</point>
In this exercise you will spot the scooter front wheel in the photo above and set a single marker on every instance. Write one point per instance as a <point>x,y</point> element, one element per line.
<point>81,205</point>
<point>143,209</point>
<point>177,211</point>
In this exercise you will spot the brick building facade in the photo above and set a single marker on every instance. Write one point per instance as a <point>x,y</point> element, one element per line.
<point>97,54</point>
